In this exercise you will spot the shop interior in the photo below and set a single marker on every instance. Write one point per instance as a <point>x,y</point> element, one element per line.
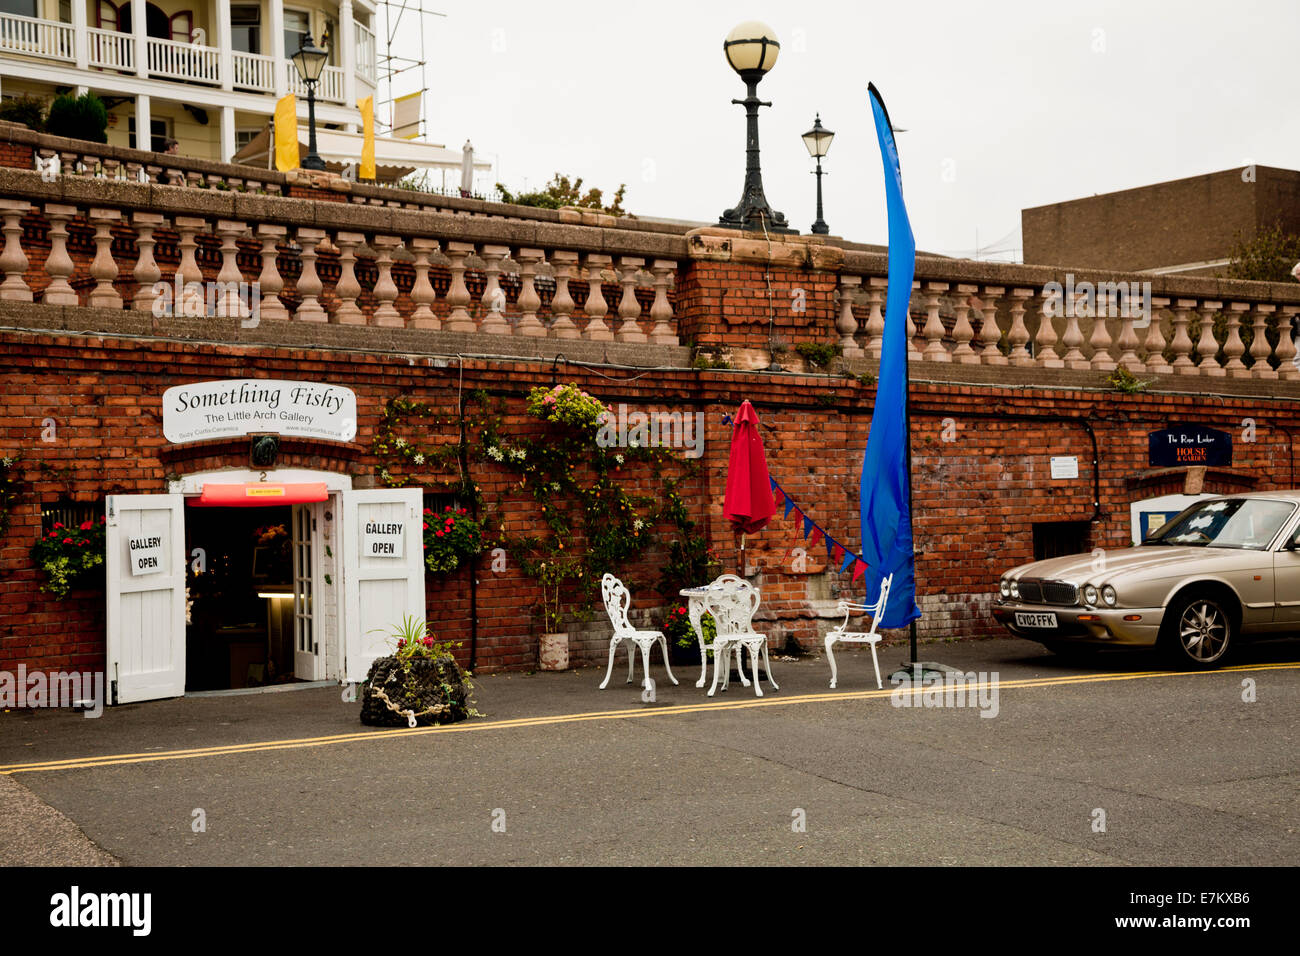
<point>240,614</point>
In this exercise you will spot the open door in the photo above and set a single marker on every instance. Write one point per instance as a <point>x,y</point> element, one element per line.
<point>145,576</point>
<point>306,644</point>
<point>383,571</point>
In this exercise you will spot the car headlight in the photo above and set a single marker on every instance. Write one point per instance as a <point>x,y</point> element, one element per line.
<point>1090,595</point>
<point>1015,590</point>
<point>1004,588</point>
<point>1109,596</point>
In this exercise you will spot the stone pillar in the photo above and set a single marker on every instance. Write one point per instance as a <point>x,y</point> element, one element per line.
<point>661,310</point>
<point>270,283</point>
<point>492,318</point>
<point>140,30</point>
<point>1259,347</point>
<point>934,332</point>
<point>143,122</point>
<point>280,66</point>
<point>1182,342</point>
<point>13,261</point>
<point>1155,343</point>
<point>875,327</point>
<point>529,301</point>
<point>1018,334</point>
<point>309,285</point>
<point>595,307</point>
<point>990,334</point>
<point>230,305</point>
<point>347,46</point>
<point>191,300</point>
<point>1208,346</point>
<point>348,288</point>
<point>629,307</point>
<point>457,294</point>
<point>225,53</point>
<point>1234,348</point>
<point>562,327</point>
<point>962,331</point>
<point>422,292</point>
<point>58,266</point>
<point>103,269</point>
<point>1286,350</point>
<point>386,313</point>
<point>1045,337</point>
<point>1100,339</point>
<point>847,323</point>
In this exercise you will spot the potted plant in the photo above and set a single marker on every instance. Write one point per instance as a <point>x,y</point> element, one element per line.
<point>553,648</point>
<point>451,538</point>
<point>683,645</point>
<point>419,684</point>
<point>70,557</point>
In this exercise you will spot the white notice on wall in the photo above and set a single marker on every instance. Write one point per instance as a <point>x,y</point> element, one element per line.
<point>382,539</point>
<point>146,554</point>
<point>1065,466</point>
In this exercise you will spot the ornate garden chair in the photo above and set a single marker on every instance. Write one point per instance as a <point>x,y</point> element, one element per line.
<point>733,611</point>
<point>617,601</point>
<point>843,635</point>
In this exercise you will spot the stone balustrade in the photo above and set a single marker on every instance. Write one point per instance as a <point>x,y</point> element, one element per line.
<point>177,252</point>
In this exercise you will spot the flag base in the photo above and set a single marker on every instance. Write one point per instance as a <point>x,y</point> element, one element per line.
<point>915,671</point>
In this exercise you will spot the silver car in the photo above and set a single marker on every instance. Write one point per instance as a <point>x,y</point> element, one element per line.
<point>1224,569</point>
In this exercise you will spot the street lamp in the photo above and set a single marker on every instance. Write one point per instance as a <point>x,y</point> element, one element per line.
<point>752,49</point>
<point>818,140</point>
<point>309,61</point>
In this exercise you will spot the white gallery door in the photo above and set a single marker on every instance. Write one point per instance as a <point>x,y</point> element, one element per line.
<point>306,623</point>
<point>145,576</point>
<point>383,571</point>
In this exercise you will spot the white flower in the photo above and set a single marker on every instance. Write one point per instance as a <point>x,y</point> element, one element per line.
<point>638,524</point>
<point>495,453</point>
<point>518,454</point>
<point>619,459</point>
<point>418,459</point>
<point>555,486</point>
<point>400,443</point>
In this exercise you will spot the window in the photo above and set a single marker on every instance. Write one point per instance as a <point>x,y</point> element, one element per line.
<point>296,28</point>
<point>65,11</point>
<point>23,8</point>
<point>244,136</point>
<point>181,26</point>
<point>246,28</point>
<point>106,17</point>
<point>158,134</point>
<point>1056,539</point>
<point>327,40</point>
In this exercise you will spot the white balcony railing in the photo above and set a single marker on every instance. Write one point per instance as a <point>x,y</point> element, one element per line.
<point>254,71</point>
<point>110,49</point>
<point>329,88</point>
<point>365,53</point>
<point>44,38</point>
<point>184,61</point>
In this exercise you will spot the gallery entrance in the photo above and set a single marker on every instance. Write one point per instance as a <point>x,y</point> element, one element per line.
<point>242,595</point>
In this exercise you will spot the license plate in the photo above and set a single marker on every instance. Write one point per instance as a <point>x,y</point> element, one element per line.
<point>1035,620</point>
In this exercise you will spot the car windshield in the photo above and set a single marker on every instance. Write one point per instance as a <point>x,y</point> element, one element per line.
<point>1249,523</point>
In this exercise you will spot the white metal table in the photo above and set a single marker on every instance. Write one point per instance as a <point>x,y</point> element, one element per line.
<point>697,602</point>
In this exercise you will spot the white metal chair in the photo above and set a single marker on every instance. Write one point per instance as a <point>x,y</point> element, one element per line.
<point>733,610</point>
<point>617,600</point>
<point>697,607</point>
<point>843,635</point>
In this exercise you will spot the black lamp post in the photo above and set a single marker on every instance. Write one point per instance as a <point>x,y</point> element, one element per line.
<point>818,140</point>
<point>751,49</point>
<point>310,63</point>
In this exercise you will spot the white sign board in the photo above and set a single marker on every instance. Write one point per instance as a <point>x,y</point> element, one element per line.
<point>236,407</point>
<point>1065,466</point>
<point>383,539</point>
<point>146,553</point>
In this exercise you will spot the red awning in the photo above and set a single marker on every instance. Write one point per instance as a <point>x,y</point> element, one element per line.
<point>255,494</point>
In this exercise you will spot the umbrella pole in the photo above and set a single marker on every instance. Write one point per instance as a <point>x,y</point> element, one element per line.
<point>742,554</point>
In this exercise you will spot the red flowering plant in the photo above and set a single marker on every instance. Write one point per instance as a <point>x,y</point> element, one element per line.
<point>451,537</point>
<point>67,554</point>
<point>677,626</point>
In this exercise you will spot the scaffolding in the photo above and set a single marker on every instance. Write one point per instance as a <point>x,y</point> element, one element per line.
<point>391,64</point>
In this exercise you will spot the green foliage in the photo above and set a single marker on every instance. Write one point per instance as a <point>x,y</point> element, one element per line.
<point>705,361</point>
<point>1122,380</point>
<point>450,539</point>
<point>817,354</point>
<point>24,110</point>
<point>678,630</point>
<point>1268,257</point>
<point>566,405</point>
<point>78,117</point>
<point>8,491</point>
<point>67,554</point>
<point>826,399</point>
<point>560,191</point>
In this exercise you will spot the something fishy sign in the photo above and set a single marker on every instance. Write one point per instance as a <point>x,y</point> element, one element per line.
<point>236,407</point>
<point>1183,445</point>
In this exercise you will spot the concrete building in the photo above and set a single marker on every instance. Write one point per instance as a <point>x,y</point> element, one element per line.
<point>1187,225</point>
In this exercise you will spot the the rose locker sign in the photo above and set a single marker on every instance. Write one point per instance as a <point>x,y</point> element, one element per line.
<point>146,554</point>
<point>383,539</point>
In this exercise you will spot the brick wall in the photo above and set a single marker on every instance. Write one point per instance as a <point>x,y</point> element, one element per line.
<point>981,465</point>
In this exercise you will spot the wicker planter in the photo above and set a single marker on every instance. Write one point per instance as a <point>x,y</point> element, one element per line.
<point>420,693</point>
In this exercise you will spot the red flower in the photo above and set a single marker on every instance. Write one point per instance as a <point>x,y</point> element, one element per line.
<point>448,508</point>
<point>86,526</point>
<point>441,533</point>
<point>102,519</point>
<point>58,525</point>
<point>428,511</point>
<point>460,511</point>
<point>426,526</point>
<point>67,541</point>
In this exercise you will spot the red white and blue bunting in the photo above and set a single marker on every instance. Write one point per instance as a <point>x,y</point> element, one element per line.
<point>814,534</point>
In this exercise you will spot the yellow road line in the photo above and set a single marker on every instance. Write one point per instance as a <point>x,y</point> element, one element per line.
<point>109,760</point>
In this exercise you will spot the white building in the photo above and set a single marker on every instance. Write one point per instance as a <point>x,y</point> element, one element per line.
<point>204,72</point>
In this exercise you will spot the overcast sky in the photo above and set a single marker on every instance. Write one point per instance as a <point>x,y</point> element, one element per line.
<point>1007,104</point>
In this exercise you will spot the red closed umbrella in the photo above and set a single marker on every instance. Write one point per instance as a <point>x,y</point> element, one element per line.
<point>748,504</point>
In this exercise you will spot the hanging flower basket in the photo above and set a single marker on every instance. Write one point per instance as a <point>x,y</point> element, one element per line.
<point>71,557</point>
<point>451,538</point>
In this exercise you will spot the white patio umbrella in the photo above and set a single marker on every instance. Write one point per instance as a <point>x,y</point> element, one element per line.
<point>467,169</point>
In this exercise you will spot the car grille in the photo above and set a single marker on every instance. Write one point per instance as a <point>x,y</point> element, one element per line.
<point>1048,592</point>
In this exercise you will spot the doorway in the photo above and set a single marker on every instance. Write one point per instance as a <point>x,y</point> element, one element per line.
<point>242,597</point>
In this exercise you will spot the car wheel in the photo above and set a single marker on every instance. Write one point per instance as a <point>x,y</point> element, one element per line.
<point>1199,631</point>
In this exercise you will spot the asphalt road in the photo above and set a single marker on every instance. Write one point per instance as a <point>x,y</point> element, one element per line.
<point>1185,771</point>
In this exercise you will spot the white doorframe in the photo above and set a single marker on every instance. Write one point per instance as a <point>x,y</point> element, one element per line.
<point>330,625</point>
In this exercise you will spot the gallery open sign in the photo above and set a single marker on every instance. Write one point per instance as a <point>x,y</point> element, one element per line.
<point>146,553</point>
<point>383,539</point>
